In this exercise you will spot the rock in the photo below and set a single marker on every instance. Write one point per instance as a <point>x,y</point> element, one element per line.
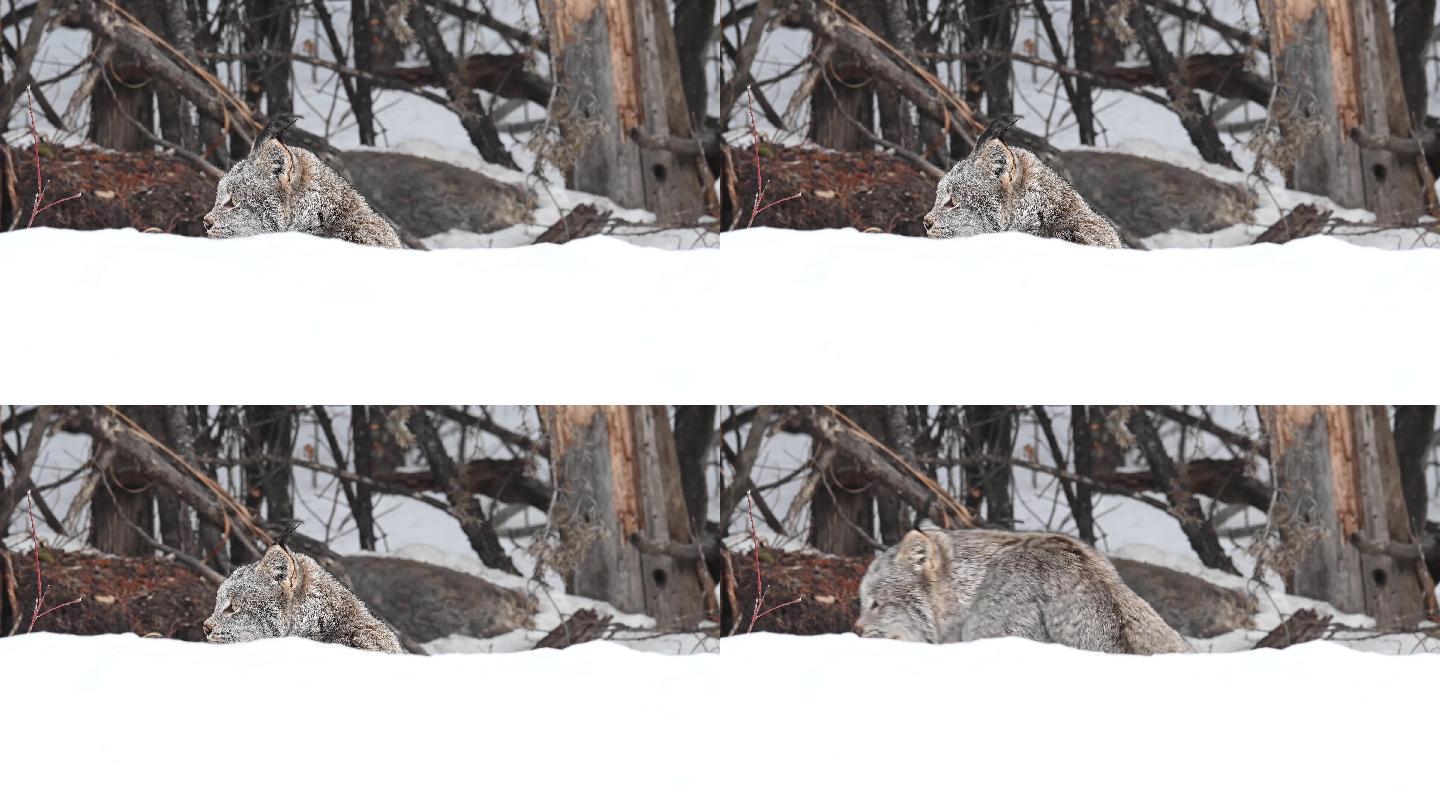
<point>426,602</point>
<point>1194,607</point>
<point>1148,196</point>
<point>426,197</point>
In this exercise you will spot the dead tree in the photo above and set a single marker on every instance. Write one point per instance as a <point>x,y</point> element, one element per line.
<point>1340,512</point>
<point>1340,105</point>
<point>620,511</point>
<point>617,74</point>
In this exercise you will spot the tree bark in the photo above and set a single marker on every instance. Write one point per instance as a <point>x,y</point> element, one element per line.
<point>990,434</point>
<point>1414,28</point>
<point>363,439</point>
<point>1083,440</point>
<point>990,33</point>
<point>616,63</point>
<point>122,502</point>
<point>269,436</point>
<point>694,426</point>
<point>842,511</point>
<point>617,481</point>
<point>844,95</point>
<point>1414,434</point>
<point>1338,486</point>
<point>694,24</point>
<point>1337,73</point>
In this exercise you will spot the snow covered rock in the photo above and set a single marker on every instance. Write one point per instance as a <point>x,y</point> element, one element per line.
<point>1194,607</point>
<point>426,602</point>
<point>426,197</point>
<point>1148,196</point>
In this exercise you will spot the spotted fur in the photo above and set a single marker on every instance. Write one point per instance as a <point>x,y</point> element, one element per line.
<point>288,594</point>
<point>285,188</point>
<point>944,586</point>
<point>1004,188</point>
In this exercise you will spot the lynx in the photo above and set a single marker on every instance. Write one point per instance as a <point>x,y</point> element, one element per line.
<point>944,586</point>
<point>288,594</point>
<point>1005,188</point>
<point>285,188</point>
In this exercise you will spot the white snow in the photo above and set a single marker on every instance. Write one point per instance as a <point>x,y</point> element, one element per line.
<point>604,321</point>
<point>104,720</point>
<point>827,721</point>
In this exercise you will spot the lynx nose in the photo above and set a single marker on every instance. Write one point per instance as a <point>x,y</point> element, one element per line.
<point>209,221</point>
<point>209,627</point>
<point>929,221</point>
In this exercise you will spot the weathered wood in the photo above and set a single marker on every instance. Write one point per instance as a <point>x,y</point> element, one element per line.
<point>617,70</point>
<point>1301,626</point>
<point>1337,70</point>
<point>1337,478</point>
<point>617,477</point>
<point>1302,221</point>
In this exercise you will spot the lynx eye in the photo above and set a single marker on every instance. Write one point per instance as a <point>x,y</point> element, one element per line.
<point>953,202</point>
<point>231,608</point>
<point>230,202</point>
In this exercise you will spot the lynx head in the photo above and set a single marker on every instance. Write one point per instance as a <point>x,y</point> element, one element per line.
<point>257,600</point>
<point>974,197</point>
<point>898,593</point>
<point>256,195</point>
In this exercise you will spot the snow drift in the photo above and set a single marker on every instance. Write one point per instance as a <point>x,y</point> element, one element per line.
<point>771,721</point>
<point>597,320</point>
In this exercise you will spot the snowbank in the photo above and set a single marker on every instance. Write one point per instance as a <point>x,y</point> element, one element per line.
<point>284,722</point>
<point>775,316</point>
<point>1010,723</point>
<point>825,721</point>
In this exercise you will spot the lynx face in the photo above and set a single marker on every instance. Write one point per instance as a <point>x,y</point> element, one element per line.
<point>253,197</point>
<point>895,600</point>
<point>970,199</point>
<point>251,602</point>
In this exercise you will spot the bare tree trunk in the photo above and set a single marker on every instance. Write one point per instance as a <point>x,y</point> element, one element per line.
<point>989,437</point>
<point>360,14</point>
<point>1414,29</point>
<point>844,96</point>
<point>842,510</point>
<point>1081,21</point>
<point>694,23</point>
<point>465,101</point>
<point>694,425</point>
<point>1414,433</point>
<point>616,63</point>
<point>123,95</point>
<point>270,27</point>
<point>477,527</point>
<point>617,483</point>
<point>990,33</point>
<point>362,436</point>
<point>1337,481</point>
<point>269,438</point>
<point>123,501</point>
<point>1083,439</point>
<point>1337,73</point>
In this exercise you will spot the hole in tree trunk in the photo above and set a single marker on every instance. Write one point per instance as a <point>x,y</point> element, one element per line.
<point>659,171</point>
<point>1379,171</point>
<point>659,576</point>
<point>1379,576</point>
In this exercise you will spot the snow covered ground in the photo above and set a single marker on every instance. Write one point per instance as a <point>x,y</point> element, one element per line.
<point>829,721</point>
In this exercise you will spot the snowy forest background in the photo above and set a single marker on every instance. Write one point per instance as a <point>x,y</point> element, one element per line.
<point>475,528</point>
<point>1194,123</point>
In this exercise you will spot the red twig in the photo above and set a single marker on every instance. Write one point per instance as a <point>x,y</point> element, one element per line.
<point>757,209</point>
<point>40,611</point>
<point>760,611</point>
<point>37,208</point>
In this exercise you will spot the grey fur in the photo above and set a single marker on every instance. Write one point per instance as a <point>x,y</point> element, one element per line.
<point>1004,188</point>
<point>288,594</point>
<point>286,188</point>
<point>942,586</point>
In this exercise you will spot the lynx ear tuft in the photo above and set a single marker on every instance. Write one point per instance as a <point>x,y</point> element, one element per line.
<point>277,127</point>
<point>997,129</point>
<point>923,554</point>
